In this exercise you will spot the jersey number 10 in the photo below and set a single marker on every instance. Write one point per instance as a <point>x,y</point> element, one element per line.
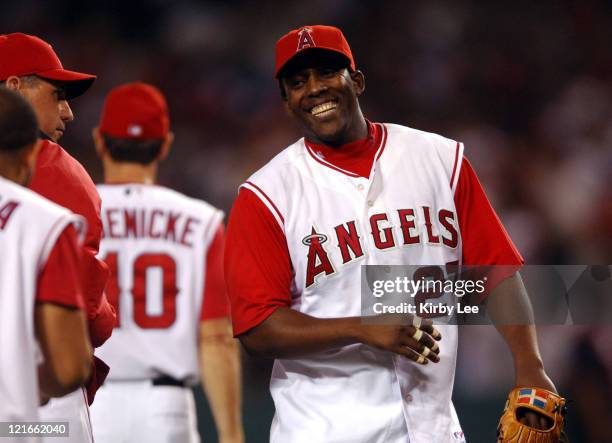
<point>141,266</point>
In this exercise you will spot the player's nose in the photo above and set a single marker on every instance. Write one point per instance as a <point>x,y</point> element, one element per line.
<point>315,84</point>
<point>65,111</point>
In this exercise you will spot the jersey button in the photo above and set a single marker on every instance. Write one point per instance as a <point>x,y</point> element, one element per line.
<point>370,203</point>
<point>360,187</point>
<point>408,398</point>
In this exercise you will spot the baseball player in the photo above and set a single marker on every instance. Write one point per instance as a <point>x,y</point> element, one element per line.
<point>31,67</point>
<point>354,192</point>
<point>35,312</point>
<point>165,253</point>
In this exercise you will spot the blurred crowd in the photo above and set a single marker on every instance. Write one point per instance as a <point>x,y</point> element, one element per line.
<point>526,86</point>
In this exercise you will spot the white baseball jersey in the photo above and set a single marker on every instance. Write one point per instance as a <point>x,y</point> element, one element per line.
<point>154,239</point>
<point>29,227</point>
<point>334,222</point>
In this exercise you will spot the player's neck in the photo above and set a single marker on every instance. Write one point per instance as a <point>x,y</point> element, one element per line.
<point>9,169</point>
<point>130,173</point>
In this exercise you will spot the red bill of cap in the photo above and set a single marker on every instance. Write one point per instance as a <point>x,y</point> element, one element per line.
<point>136,111</point>
<point>308,37</point>
<point>24,54</point>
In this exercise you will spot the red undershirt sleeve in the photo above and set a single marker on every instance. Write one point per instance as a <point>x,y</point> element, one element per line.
<point>60,279</point>
<point>257,263</point>
<point>215,303</point>
<point>485,241</point>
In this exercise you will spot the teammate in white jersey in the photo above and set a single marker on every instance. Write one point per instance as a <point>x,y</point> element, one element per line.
<point>351,193</point>
<point>39,248</point>
<point>164,251</point>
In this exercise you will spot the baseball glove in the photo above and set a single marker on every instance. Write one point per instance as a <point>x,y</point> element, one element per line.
<point>545,403</point>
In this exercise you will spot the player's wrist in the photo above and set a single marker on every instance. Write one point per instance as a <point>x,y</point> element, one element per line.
<point>354,331</point>
<point>528,362</point>
<point>534,377</point>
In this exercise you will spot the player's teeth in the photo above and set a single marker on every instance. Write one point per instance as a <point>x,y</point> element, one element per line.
<point>322,108</point>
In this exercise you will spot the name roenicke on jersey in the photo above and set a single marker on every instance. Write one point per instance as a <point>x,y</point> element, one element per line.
<point>152,223</point>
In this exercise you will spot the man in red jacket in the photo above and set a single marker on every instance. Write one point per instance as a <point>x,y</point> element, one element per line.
<point>31,67</point>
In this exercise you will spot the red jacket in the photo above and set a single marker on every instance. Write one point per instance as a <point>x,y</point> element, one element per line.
<point>63,180</point>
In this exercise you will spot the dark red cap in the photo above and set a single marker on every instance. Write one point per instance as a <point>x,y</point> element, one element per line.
<point>24,54</point>
<point>136,111</point>
<point>309,37</point>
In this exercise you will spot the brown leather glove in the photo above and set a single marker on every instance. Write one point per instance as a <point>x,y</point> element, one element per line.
<point>545,403</point>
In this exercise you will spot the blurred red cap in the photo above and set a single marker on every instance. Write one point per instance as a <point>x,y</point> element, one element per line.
<point>136,111</point>
<point>24,54</point>
<point>309,37</point>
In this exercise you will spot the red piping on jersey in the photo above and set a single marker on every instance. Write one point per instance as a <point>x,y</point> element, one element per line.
<point>383,142</point>
<point>329,165</point>
<point>269,200</point>
<point>455,165</point>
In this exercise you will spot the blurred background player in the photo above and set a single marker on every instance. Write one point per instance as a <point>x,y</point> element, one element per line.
<point>31,67</point>
<point>165,254</point>
<point>40,288</point>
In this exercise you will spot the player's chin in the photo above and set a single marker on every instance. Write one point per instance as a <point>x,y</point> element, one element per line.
<point>328,130</point>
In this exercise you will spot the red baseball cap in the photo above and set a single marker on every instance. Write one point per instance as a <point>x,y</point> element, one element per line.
<point>24,54</point>
<point>136,111</point>
<point>329,38</point>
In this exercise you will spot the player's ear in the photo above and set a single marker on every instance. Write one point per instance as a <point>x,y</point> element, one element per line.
<point>359,81</point>
<point>98,142</point>
<point>165,149</point>
<point>282,90</point>
<point>13,83</point>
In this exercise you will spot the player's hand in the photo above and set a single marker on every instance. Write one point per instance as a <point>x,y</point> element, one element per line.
<point>535,420</point>
<point>406,335</point>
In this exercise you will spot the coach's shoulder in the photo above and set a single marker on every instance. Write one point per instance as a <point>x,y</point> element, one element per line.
<point>55,163</point>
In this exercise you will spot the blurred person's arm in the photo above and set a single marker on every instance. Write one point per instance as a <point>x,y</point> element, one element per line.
<point>60,321</point>
<point>221,377</point>
<point>219,352</point>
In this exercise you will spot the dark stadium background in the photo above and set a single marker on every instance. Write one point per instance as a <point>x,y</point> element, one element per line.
<point>526,85</point>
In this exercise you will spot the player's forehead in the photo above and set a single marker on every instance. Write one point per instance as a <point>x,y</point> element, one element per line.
<point>313,59</point>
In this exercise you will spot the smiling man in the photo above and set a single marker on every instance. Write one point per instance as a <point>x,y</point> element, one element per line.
<point>31,67</point>
<point>354,192</point>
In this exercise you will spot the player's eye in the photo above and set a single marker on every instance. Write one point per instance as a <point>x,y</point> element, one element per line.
<point>296,83</point>
<point>60,94</point>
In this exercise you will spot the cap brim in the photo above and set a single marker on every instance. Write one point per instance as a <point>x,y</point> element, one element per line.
<point>308,55</point>
<point>75,83</point>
